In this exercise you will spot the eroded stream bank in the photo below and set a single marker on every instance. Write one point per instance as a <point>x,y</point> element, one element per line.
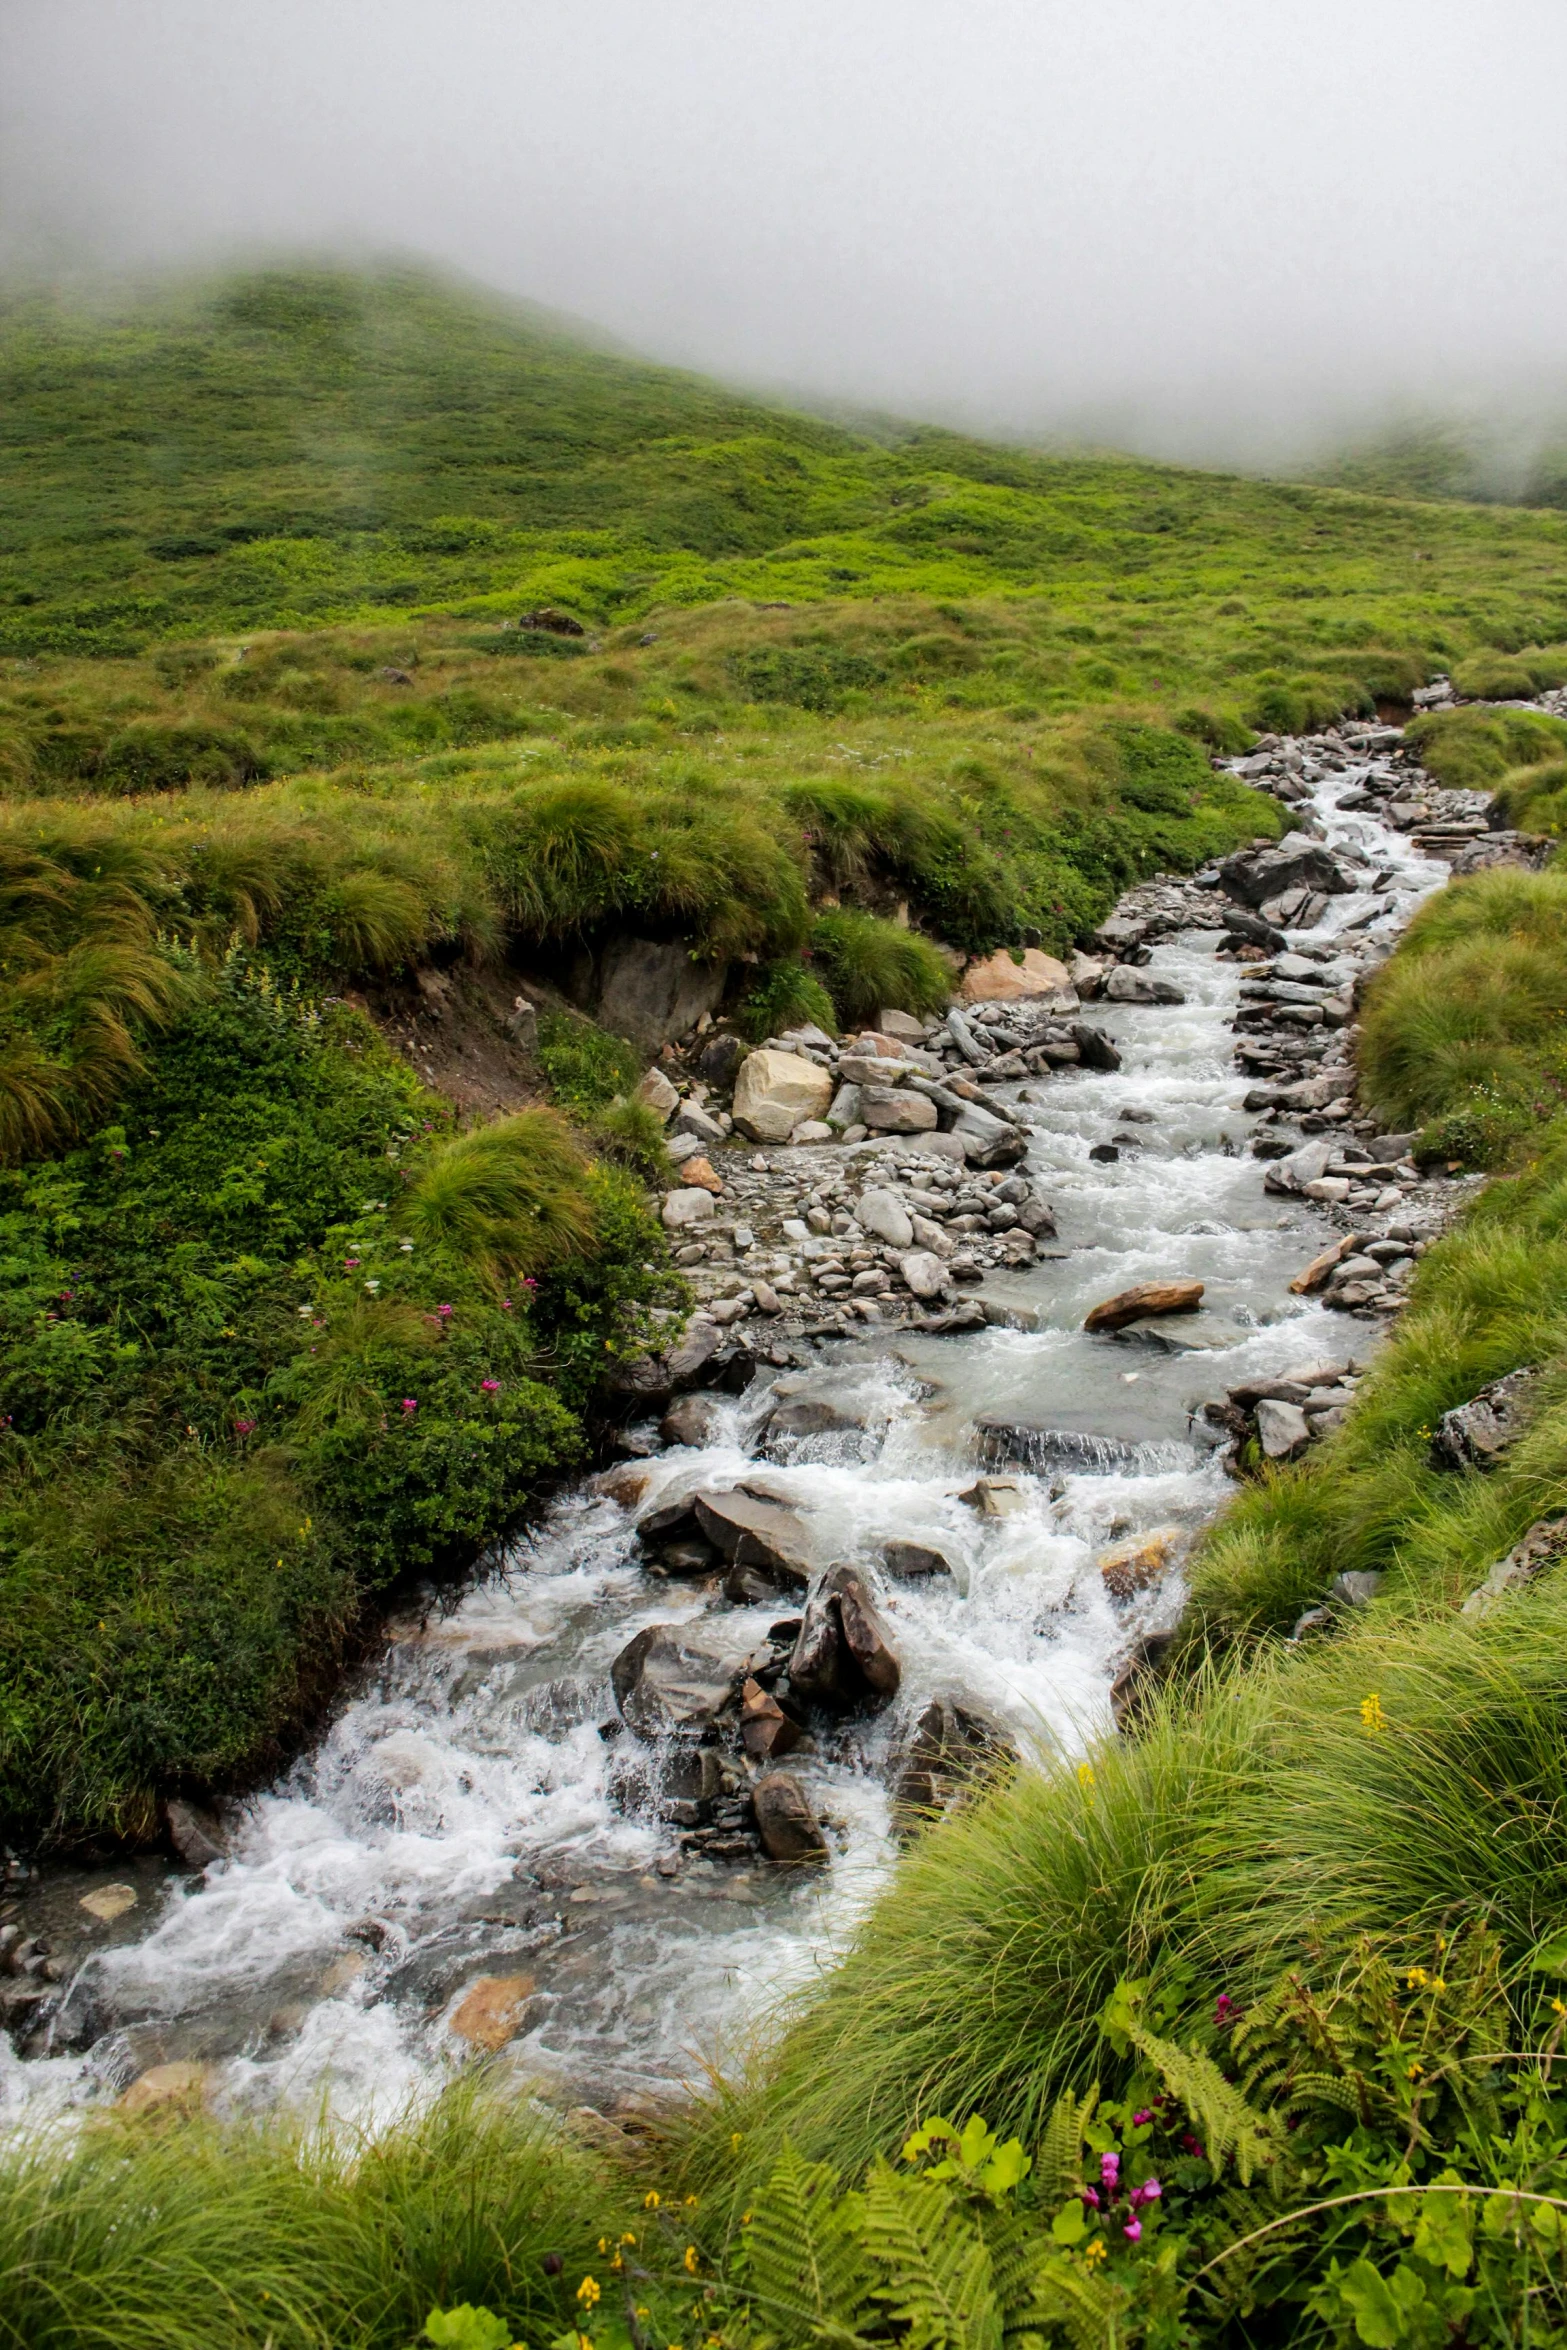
<point>485,1850</point>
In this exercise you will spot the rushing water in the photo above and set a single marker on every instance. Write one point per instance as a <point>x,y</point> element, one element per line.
<point>463,1814</point>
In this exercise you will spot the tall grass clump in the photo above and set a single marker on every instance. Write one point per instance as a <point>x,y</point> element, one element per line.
<point>1465,1028</point>
<point>787,996</point>
<point>1472,750</point>
<point>507,1199</point>
<point>869,964</point>
<point>176,2234</point>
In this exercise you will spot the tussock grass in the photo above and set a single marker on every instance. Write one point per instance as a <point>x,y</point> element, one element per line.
<point>1255,1816</point>
<point>1472,750</point>
<point>170,2234</point>
<point>505,1199</point>
<point>870,964</point>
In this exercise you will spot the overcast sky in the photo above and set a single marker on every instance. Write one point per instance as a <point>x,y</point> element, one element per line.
<point>1212,227</point>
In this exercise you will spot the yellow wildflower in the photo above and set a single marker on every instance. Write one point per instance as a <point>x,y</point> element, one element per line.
<point>1096,2250</point>
<point>652,2199</point>
<point>1371,1715</point>
<point>1559,2007</point>
<point>735,2141</point>
<point>1085,1775</point>
<point>692,2262</point>
<point>628,2237</point>
<point>1414,2071</point>
<point>588,2293</point>
<point>1437,1985</point>
<point>1417,1978</point>
<point>692,2201</point>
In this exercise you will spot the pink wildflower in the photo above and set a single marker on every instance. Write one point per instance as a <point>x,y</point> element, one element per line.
<point>1140,2117</point>
<point>1149,2192</point>
<point>490,1386</point>
<point>243,1427</point>
<point>1090,2199</point>
<point>409,1404</point>
<point>1133,2230</point>
<point>1110,2171</point>
<point>445,1313</point>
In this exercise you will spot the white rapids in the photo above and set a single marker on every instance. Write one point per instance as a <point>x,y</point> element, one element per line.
<point>463,1815</point>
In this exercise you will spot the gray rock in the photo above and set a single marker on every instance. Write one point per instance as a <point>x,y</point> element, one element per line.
<point>775,1091</point>
<point>683,1208</point>
<point>522,1026</point>
<point>1282,1430</point>
<point>700,1122</point>
<point>813,1415</point>
<point>1095,1047</point>
<point>890,1109</point>
<point>655,1093</point>
<point>718,1063</point>
<point>665,1684</point>
<point>1252,929</point>
<point>844,1109</point>
<point>197,1835</point>
<point>967,1042</point>
<point>951,1746</point>
<point>1255,877</point>
<point>884,1214</point>
<point>925,1274</point>
<point>1128,986</point>
<point>1477,1433</point>
<point>648,990</point>
<point>785,1821</point>
<point>1357,1588</point>
<point>843,1657</point>
<point>694,1419</point>
<point>929,1235</point>
<point>1543,1546</point>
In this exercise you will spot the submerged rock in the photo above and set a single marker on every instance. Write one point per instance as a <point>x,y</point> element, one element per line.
<point>785,1821</point>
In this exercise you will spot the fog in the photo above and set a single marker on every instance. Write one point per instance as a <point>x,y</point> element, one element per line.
<point>1224,229</point>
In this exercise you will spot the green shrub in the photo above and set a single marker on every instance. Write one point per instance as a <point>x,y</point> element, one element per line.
<point>787,996</point>
<point>585,1067</point>
<point>869,965</point>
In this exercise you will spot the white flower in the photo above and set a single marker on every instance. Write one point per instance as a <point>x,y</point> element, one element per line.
<point>372,1286</point>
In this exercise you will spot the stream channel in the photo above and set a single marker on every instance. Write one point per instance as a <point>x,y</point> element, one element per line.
<point>458,1819</point>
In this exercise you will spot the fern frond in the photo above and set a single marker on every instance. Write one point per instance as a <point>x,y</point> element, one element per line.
<point>938,2278</point>
<point>1058,2166</point>
<point>1230,2126</point>
<point>805,2272</point>
<point>1088,2308</point>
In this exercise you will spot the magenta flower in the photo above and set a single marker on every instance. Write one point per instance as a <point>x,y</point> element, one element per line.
<point>1133,2231</point>
<point>490,1386</point>
<point>1193,2146</point>
<point>445,1313</point>
<point>1149,2192</point>
<point>1224,2010</point>
<point>243,1427</point>
<point>1090,2199</point>
<point>409,1405</point>
<point>349,1264</point>
<point>505,1305</point>
<point>1110,2171</point>
<point>1139,2118</point>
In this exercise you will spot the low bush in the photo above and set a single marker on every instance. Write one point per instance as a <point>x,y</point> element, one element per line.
<point>787,996</point>
<point>584,1066</point>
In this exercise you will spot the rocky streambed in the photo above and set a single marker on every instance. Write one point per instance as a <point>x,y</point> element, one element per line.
<point>885,1510</point>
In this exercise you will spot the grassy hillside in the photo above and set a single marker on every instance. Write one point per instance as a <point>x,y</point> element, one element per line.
<point>275,1330</point>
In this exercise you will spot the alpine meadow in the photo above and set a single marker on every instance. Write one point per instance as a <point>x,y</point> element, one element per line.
<point>385,666</point>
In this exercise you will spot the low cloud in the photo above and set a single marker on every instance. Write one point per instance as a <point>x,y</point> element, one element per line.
<point>1224,230</point>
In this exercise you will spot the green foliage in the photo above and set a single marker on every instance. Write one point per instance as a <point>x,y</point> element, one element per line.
<point>466,2328</point>
<point>870,965</point>
<point>1472,750</point>
<point>325,2237</point>
<point>787,996</point>
<point>256,1361</point>
<point>585,1067</point>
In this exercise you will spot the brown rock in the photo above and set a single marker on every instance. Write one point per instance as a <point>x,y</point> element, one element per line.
<point>843,1657</point>
<point>765,1729</point>
<point>1149,1297</point>
<point>1000,980</point>
<point>1319,1268</point>
<point>172,2087</point>
<point>491,2010</point>
<point>626,1484</point>
<point>197,1835</point>
<point>1131,1566</point>
<point>664,1684</point>
<point>699,1173</point>
<point>785,1821</point>
<point>951,1746</point>
<point>755,1533</point>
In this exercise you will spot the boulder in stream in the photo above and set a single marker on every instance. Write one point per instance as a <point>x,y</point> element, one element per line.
<point>1148,1297</point>
<point>785,1821</point>
<point>754,1532</point>
<point>843,1657</point>
<point>950,1747</point>
<point>665,1684</point>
